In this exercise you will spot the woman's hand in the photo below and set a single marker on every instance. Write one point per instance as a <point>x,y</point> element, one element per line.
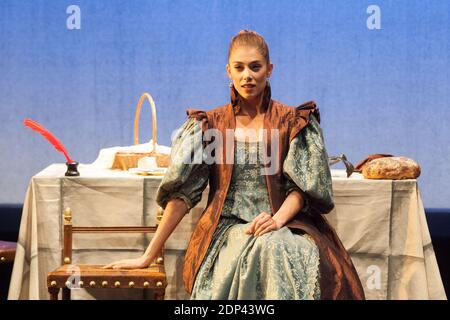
<point>262,224</point>
<point>137,263</point>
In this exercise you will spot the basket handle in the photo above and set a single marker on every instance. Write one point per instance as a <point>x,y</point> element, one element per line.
<point>136,119</point>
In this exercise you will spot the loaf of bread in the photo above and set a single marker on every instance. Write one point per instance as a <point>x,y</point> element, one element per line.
<point>393,168</point>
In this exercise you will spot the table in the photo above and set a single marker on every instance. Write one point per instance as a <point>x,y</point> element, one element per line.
<point>381,223</point>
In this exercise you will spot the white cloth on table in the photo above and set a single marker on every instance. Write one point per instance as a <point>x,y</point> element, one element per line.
<point>381,223</point>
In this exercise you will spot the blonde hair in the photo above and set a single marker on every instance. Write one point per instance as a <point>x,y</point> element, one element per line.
<point>250,38</point>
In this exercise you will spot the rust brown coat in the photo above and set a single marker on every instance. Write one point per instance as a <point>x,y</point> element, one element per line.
<point>339,279</point>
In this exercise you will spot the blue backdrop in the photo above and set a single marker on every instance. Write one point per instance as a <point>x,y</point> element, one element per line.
<point>379,90</point>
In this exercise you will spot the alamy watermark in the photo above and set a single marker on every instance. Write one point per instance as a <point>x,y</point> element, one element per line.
<point>73,21</point>
<point>212,147</point>
<point>373,282</point>
<point>74,281</point>
<point>373,22</point>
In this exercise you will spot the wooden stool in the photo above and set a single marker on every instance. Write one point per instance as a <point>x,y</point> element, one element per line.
<point>93,276</point>
<point>7,251</point>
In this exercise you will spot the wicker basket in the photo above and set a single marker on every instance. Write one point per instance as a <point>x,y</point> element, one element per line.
<point>126,160</point>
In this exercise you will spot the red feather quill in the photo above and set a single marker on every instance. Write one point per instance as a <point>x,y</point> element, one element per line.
<point>47,135</point>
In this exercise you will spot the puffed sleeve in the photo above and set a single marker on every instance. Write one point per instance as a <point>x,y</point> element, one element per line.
<point>307,171</point>
<point>187,175</point>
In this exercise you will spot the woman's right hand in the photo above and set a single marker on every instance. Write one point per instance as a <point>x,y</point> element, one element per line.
<point>138,263</point>
<point>174,212</point>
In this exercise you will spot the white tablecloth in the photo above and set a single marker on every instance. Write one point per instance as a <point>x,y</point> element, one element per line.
<point>380,222</point>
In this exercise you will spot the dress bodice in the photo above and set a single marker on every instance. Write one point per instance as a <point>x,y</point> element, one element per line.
<point>247,196</point>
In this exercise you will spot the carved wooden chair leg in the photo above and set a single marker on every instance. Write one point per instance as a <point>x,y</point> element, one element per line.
<point>53,293</point>
<point>66,294</point>
<point>159,294</point>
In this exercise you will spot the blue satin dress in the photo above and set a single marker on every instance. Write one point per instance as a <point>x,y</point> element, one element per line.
<point>277,265</point>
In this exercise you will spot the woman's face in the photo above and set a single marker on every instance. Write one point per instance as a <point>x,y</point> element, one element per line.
<point>249,70</point>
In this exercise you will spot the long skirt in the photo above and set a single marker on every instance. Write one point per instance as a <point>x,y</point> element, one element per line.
<point>278,265</point>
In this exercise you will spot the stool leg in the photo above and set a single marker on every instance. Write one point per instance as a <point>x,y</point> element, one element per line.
<point>159,294</point>
<point>66,294</point>
<point>53,293</point>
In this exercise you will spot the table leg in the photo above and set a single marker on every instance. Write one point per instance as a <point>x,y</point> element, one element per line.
<point>53,293</point>
<point>66,294</point>
<point>159,294</point>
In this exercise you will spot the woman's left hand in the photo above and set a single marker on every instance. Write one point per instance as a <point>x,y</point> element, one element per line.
<point>262,224</point>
